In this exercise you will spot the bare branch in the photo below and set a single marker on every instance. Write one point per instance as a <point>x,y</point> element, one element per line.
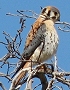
<point>5,57</point>
<point>65,25</point>
<point>43,79</point>
<point>21,14</point>
<point>63,29</point>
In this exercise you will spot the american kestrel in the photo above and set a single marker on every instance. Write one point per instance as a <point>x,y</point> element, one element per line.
<point>42,40</point>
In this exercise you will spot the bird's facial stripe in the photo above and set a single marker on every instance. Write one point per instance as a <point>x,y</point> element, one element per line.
<point>48,13</point>
<point>43,11</point>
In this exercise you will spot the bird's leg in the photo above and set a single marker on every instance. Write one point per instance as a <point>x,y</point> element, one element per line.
<point>55,63</point>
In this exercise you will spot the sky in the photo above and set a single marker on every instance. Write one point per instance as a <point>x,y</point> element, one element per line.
<point>10,24</point>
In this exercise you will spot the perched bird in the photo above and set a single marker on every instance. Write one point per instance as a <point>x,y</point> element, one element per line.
<point>42,40</point>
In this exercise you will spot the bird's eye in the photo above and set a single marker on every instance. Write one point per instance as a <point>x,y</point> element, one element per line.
<point>43,10</point>
<point>55,13</point>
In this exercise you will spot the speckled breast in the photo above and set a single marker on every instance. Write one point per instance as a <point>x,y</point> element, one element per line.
<point>50,46</point>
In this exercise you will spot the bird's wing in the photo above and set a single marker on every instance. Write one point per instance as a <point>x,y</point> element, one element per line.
<point>33,31</point>
<point>38,38</point>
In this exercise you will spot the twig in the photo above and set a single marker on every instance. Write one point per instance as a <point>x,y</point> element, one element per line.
<point>5,57</point>
<point>29,11</point>
<point>36,86</point>
<point>64,23</point>
<point>2,86</point>
<point>4,75</point>
<point>22,15</point>
<point>60,88</point>
<point>63,29</point>
<point>8,35</point>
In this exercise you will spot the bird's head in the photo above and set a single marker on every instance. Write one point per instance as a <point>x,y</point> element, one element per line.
<point>50,13</point>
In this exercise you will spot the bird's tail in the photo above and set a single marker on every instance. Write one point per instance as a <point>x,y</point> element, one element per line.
<point>20,74</point>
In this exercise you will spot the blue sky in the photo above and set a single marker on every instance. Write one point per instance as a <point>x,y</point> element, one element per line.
<point>11,24</point>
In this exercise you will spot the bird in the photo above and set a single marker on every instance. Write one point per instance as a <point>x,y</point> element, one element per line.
<point>41,42</point>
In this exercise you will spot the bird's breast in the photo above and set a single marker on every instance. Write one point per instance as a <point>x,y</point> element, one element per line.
<point>50,46</point>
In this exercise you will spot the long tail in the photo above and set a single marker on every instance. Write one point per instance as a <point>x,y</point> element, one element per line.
<point>22,74</point>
